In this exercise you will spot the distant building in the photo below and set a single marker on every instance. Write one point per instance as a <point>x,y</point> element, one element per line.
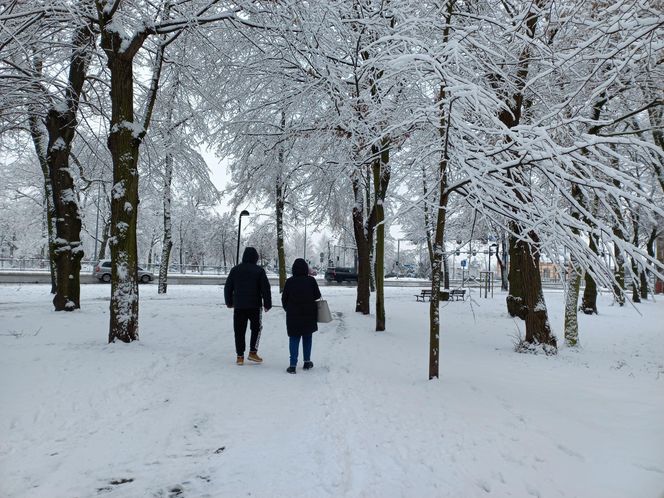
<point>549,270</point>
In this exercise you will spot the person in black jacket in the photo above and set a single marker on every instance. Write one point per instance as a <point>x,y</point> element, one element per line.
<point>247,289</point>
<point>299,300</point>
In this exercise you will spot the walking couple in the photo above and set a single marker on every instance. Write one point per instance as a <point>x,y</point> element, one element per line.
<point>247,290</point>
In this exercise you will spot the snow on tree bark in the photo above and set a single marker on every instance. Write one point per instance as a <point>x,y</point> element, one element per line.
<point>571,326</point>
<point>167,241</point>
<point>61,123</point>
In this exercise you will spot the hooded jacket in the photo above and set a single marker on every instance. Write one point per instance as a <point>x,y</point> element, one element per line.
<point>299,300</point>
<point>247,285</point>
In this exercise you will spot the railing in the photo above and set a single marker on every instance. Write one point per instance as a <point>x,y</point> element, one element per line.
<point>38,264</point>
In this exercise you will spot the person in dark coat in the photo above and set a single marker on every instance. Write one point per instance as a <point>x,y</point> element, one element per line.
<point>299,300</point>
<point>246,290</point>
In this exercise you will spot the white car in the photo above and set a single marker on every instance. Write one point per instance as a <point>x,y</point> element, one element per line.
<point>102,271</point>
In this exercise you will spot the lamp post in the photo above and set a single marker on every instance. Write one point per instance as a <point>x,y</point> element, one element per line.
<point>399,257</point>
<point>305,238</point>
<point>239,231</point>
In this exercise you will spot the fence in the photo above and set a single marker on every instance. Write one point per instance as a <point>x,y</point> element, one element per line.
<point>37,264</point>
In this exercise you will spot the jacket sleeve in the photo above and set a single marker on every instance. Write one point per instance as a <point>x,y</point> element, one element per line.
<point>228,289</point>
<point>317,294</point>
<point>265,290</point>
<point>284,296</point>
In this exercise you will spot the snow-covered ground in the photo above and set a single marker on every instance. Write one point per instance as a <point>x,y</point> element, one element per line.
<point>173,416</point>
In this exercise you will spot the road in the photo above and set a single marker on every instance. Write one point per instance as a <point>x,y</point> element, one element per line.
<point>41,277</point>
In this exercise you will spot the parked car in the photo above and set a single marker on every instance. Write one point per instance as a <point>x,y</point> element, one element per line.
<point>102,271</point>
<point>340,274</point>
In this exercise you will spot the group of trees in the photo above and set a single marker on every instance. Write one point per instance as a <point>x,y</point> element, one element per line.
<point>539,122</point>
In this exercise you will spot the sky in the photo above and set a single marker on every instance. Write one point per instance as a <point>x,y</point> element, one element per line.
<point>220,176</point>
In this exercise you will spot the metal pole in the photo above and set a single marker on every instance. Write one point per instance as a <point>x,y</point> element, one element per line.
<point>97,223</point>
<point>239,228</point>
<point>305,238</point>
<point>237,253</point>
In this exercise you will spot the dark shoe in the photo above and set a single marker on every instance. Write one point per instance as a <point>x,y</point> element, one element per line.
<point>290,370</point>
<point>308,365</point>
<point>240,360</point>
<point>254,357</point>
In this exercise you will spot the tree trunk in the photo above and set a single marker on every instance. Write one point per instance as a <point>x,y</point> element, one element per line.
<point>571,302</point>
<point>501,262</point>
<point>619,275</point>
<point>372,267</point>
<point>39,141</point>
<point>439,234</point>
<point>504,282</point>
<point>434,307</point>
<point>427,217</point>
<point>61,125</point>
<point>643,287</point>
<point>589,300</point>
<point>68,249</point>
<point>538,330</point>
<point>636,290</point>
<point>363,244</point>
<point>571,327</point>
<point>281,251</point>
<point>516,305</point>
<point>61,122</point>
<point>280,203</point>
<point>381,178</point>
<point>650,249</point>
<point>167,242</point>
<point>106,235</point>
<point>181,249</point>
<point>656,115</point>
<point>379,269</point>
<point>436,268</point>
<point>363,232</point>
<point>153,241</point>
<point>123,143</point>
<point>510,116</point>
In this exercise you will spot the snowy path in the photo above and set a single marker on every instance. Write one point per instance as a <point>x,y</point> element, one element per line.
<point>172,416</point>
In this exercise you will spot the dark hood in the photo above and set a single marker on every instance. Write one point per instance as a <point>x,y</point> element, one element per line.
<point>250,255</point>
<point>300,268</point>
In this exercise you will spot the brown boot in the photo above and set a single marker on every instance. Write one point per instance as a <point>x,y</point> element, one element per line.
<point>255,357</point>
<point>240,360</point>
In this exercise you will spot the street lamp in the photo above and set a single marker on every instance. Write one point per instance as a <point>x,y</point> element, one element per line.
<point>239,231</point>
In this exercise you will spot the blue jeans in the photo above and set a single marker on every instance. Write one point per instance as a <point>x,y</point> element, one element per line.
<point>294,345</point>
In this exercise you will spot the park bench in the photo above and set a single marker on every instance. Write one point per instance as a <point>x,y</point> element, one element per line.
<point>458,294</point>
<point>423,294</point>
<point>454,295</point>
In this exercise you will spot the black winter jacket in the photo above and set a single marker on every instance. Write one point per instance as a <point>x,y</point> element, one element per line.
<point>299,300</point>
<point>247,285</point>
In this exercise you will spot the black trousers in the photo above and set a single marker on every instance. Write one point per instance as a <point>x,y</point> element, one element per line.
<point>240,319</point>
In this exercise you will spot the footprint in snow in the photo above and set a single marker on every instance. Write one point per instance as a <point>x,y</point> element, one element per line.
<point>571,452</point>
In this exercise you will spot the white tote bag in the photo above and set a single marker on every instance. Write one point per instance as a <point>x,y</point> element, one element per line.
<point>324,315</point>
